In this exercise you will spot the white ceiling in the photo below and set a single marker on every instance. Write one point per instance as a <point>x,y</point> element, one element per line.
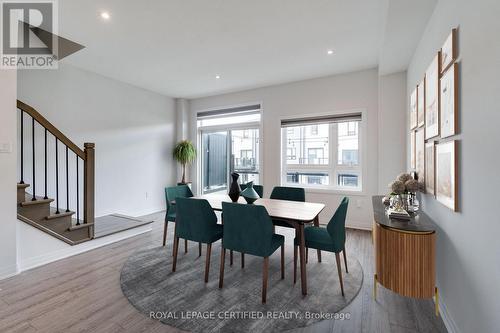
<point>176,47</point>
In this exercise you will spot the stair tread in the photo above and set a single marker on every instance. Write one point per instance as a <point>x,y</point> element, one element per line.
<point>38,201</point>
<point>53,215</point>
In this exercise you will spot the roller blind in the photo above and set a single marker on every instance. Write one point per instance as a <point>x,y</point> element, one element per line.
<point>321,119</point>
<point>236,111</point>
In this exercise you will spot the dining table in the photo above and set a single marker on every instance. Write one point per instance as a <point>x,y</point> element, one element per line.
<point>297,214</point>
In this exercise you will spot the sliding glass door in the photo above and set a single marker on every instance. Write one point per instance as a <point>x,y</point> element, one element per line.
<point>227,151</point>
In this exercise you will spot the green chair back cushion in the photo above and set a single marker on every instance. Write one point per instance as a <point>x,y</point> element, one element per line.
<point>196,220</point>
<point>336,226</point>
<point>171,194</point>
<point>288,193</point>
<point>247,229</point>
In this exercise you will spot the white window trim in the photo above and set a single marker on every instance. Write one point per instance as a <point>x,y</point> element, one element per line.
<point>331,168</point>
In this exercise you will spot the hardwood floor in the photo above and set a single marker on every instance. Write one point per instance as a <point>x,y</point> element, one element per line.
<point>82,293</point>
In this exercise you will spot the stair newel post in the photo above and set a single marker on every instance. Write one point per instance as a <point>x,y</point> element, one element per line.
<point>77,194</point>
<point>45,164</point>
<point>33,156</point>
<point>22,148</point>
<point>89,186</point>
<point>67,181</point>
<point>57,176</point>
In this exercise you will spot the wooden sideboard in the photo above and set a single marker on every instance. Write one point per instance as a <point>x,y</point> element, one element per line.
<point>405,254</point>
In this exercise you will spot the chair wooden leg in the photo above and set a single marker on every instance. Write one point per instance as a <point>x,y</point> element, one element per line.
<point>199,250</point>
<point>345,261</point>
<point>185,246</point>
<point>295,250</point>
<point>282,261</point>
<point>165,233</point>
<point>265,273</point>
<point>339,270</point>
<point>230,257</point>
<point>316,224</point>
<point>207,262</point>
<point>221,272</point>
<point>176,250</point>
<point>307,255</point>
<point>242,260</point>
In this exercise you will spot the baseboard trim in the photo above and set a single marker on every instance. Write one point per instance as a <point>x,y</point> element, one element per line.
<point>8,271</point>
<point>448,321</point>
<point>80,248</point>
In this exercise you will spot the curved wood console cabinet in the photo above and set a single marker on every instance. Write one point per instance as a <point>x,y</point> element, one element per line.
<point>405,254</point>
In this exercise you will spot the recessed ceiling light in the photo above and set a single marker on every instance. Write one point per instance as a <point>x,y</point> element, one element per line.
<point>329,52</point>
<point>217,77</point>
<point>105,15</point>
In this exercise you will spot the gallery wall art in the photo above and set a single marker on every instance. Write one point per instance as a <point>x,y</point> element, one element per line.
<point>420,156</point>
<point>449,51</point>
<point>433,121</point>
<point>448,92</point>
<point>446,174</point>
<point>432,99</point>
<point>430,173</point>
<point>413,109</point>
<point>412,150</point>
<point>421,103</point>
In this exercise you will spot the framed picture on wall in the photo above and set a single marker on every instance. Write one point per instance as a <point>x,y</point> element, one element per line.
<point>421,103</point>
<point>449,51</point>
<point>448,101</point>
<point>413,109</point>
<point>430,171</point>
<point>446,174</point>
<point>432,99</point>
<point>412,150</point>
<point>420,157</point>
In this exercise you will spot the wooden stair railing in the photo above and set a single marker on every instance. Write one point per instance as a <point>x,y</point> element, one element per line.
<point>86,155</point>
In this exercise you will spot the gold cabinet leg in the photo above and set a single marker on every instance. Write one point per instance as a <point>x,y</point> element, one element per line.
<point>375,286</point>
<point>436,300</point>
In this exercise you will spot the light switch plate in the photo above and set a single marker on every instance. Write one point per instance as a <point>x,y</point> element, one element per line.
<point>5,147</point>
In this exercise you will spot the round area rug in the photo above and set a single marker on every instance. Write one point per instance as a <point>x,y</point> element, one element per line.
<point>184,301</point>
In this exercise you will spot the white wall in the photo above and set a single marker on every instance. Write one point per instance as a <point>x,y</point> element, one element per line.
<point>468,250</point>
<point>391,128</point>
<point>332,94</point>
<point>133,129</point>
<point>8,265</point>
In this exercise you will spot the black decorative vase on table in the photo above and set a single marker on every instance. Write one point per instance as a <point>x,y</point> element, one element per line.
<point>234,189</point>
<point>249,193</point>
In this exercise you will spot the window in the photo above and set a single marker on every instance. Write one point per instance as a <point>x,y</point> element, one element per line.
<point>228,142</point>
<point>322,153</point>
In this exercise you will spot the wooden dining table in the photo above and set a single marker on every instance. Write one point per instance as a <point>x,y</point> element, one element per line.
<point>295,213</point>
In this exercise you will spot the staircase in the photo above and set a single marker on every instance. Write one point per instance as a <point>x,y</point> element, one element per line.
<point>63,208</point>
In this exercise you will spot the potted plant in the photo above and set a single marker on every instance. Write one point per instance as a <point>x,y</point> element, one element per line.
<point>184,153</point>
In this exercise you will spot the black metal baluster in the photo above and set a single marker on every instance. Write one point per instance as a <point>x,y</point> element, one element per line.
<point>77,195</point>
<point>33,151</point>
<point>67,181</point>
<point>45,141</point>
<point>22,148</point>
<point>57,178</point>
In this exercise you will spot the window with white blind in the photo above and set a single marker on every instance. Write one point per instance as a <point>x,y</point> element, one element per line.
<point>322,152</point>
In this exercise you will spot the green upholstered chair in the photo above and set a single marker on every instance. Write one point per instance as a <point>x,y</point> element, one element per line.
<point>331,239</point>
<point>196,221</point>
<point>171,193</point>
<point>248,229</point>
<point>290,194</point>
<point>258,188</point>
